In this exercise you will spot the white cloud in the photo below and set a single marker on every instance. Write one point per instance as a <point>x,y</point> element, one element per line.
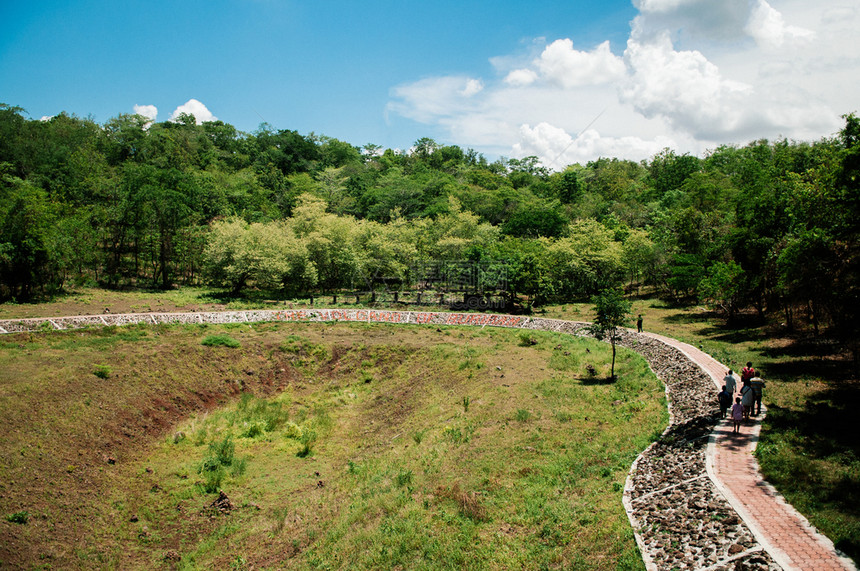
<point>701,21</point>
<point>521,77</point>
<point>561,64</point>
<point>694,74</point>
<point>556,148</point>
<point>472,87</point>
<point>148,111</point>
<point>194,107</point>
<point>682,86</point>
<point>437,97</point>
<point>768,27</point>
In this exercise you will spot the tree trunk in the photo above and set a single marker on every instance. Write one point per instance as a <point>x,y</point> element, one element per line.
<point>612,369</point>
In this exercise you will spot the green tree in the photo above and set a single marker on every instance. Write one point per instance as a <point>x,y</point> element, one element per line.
<point>638,254</point>
<point>612,312</point>
<point>585,262</point>
<point>723,287</point>
<point>26,264</point>
<point>537,218</point>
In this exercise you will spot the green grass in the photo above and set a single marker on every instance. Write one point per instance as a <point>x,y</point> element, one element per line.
<point>809,445</point>
<point>220,340</point>
<point>436,496</point>
<point>426,466</point>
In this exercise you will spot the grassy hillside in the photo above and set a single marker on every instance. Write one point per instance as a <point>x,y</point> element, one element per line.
<point>809,447</point>
<point>336,446</point>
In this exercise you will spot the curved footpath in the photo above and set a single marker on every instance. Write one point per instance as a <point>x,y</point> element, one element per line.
<point>785,533</point>
<point>695,497</point>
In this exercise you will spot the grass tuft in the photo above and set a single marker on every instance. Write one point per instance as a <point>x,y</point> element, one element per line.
<point>220,340</point>
<point>20,518</point>
<point>102,371</point>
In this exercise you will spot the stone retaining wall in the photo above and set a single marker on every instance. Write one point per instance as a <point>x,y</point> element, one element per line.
<point>680,519</point>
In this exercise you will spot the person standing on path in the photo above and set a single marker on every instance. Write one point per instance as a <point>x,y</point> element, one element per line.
<point>731,382</point>
<point>639,324</point>
<point>747,372</point>
<point>757,384</point>
<point>747,399</point>
<point>737,415</point>
<point>725,398</point>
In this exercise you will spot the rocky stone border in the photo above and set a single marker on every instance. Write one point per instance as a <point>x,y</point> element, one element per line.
<point>680,519</point>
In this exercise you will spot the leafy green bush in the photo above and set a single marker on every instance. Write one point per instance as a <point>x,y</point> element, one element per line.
<point>527,339</point>
<point>102,371</point>
<point>21,517</point>
<point>293,430</point>
<point>220,340</point>
<point>307,439</point>
<point>223,451</point>
<point>254,429</point>
<point>213,476</point>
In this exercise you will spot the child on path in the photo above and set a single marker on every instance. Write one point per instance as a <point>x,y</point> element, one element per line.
<point>725,398</point>
<point>737,415</point>
<point>639,324</point>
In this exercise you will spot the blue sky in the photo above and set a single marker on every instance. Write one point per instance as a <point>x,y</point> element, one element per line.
<point>506,78</point>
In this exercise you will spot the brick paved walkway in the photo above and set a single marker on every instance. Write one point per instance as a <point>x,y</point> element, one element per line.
<point>784,533</point>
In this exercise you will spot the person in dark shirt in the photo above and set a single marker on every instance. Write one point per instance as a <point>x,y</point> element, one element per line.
<point>725,399</point>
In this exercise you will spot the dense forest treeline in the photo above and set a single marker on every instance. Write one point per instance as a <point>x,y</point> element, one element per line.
<point>771,226</point>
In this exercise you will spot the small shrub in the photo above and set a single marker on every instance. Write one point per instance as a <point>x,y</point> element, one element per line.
<point>527,339</point>
<point>20,518</point>
<point>466,402</point>
<point>223,451</point>
<point>307,439</point>
<point>102,371</point>
<point>201,435</point>
<point>212,480</point>
<point>293,431</point>
<point>254,429</point>
<point>238,467</point>
<point>455,435</point>
<point>221,340</point>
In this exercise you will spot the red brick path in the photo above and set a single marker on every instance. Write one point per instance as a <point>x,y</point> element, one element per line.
<point>784,533</point>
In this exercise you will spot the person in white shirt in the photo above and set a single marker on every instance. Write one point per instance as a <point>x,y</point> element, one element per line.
<point>731,382</point>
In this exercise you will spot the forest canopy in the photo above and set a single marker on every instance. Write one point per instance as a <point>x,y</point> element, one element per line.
<point>770,226</point>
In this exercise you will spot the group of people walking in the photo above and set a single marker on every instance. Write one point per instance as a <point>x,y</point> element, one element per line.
<point>741,401</point>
